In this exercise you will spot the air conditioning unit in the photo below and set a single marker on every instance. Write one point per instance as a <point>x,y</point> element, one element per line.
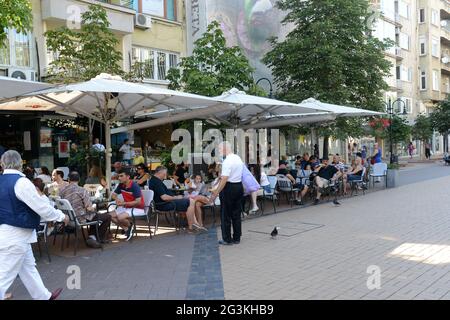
<point>23,74</point>
<point>142,21</point>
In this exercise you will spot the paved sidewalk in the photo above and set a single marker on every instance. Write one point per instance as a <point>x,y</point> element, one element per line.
<point>403,231</point>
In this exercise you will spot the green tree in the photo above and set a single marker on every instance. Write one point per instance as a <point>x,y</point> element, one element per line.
<point>440,120</point>
<point>422,129</point>
<point>83,54</point>
<point>330,55</point>
<point>14,14</point>
<point>213,68</point>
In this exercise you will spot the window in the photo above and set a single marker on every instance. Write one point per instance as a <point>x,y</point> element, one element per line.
<point>160,8</point>
<point>421,15</point>
<point>404,73</point>
<point>407,105</point>
<point>403,9</point>
<point>423,80</point>
<point>17,49</point>
<point>404,41</point>
<point>5,51</point>
<point>435,80</point>
<point>422,45</point>
<point>153,64</point>
<point>435,17</point>
<point>435,47</point>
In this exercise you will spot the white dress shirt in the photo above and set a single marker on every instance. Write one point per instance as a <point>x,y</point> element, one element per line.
<point>232,168</point>
<point>126,150</point>
<point>26,192</point>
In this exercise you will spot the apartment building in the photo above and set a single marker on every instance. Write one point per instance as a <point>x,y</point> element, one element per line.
<point>421,57</point>
<point>150,31</point>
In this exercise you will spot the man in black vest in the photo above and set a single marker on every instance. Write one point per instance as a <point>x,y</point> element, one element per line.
<point>21,210</point>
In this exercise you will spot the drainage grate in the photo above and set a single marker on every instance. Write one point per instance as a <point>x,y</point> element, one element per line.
<point>289,229</point>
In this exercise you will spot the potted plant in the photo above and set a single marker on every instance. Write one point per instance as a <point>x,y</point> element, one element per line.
<point>392,175</point>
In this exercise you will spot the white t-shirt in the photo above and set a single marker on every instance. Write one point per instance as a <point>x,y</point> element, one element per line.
<point>232,168</point>
<point>99,147</point>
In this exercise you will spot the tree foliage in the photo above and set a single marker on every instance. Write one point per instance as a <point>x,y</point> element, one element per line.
<point>14,14</point>
<point>83,54</point>
<point>213,68</point>
<point>397,129</point>
<point>330,55</point>
<point>422,129</point>
<point>440,118</point>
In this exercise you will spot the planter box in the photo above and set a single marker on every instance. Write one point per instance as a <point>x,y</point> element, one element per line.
<point>392,178</point>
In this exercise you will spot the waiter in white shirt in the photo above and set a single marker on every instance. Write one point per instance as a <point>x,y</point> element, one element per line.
<point>21,210</point>
<point>232,192</point>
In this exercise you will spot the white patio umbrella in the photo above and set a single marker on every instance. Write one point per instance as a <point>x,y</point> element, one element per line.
<point>332,113</point>
<point>249,110</point>
<point>11,87</point>
<point>108,99</point>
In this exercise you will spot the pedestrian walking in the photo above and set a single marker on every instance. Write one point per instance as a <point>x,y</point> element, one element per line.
<point>427,150</point>
<point>21,210</point>
<point>231,191</point>
<point>411,149</point>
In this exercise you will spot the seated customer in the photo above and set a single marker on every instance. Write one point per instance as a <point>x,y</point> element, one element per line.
<point>142,176</point>
<point>81,204</point>
<point>58,183</point>
<point>129,200</point>
<point>325,174</point>
<point>282,170</point>
<point>166,201</point>
<point>354,174</point>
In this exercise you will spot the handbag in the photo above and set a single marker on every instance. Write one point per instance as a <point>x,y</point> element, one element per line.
<point>248,181</point>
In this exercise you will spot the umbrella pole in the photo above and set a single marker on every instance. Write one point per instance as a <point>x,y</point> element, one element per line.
<point>108,152</point>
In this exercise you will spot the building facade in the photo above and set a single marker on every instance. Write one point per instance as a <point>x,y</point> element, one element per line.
<point>151,32</point>
<point>420,75</point>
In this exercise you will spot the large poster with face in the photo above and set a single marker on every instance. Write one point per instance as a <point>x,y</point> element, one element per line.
<point>249,24</point>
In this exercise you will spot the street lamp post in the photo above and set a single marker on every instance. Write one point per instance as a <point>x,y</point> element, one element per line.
<point>390,110</point>
<point>270,85</point>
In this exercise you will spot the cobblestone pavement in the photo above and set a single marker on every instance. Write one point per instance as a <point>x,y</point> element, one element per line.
<point>404,232</point>
<point>322,252</point>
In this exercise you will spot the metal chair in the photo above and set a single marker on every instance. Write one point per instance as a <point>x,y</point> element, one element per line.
<point>285,186</point>
<point>272,194</point>
<point>42,234</point>
<point>148,199</point>
<point>379,170</point>
<point>357,183</point>
<point>65,206</point>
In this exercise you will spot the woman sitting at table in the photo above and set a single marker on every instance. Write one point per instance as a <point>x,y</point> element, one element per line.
<point>354,174</point>
<point>195,187</point>
<point>96,177</point>
<point>142,176</point>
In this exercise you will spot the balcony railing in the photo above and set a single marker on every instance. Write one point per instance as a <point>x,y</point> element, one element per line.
<point>398,53</point>
<point>123,3</point>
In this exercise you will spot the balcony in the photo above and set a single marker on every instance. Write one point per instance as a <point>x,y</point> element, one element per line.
<point>399,85</point>
<point>120,16</point>
<point>398,53</point>
<point>122,3</point>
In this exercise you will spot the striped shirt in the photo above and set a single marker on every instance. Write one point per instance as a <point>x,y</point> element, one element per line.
<point>78,198</point>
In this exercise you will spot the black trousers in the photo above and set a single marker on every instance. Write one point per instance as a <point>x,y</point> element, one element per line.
<point>232,195</point>
<point>427,153</point>
<point>103,228</point>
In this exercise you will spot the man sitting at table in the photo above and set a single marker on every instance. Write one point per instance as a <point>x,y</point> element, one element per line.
<point>82,205</point>
<point>325,175</point>
<point>166,201</point>
<point>129,201</point>
<point>302,189</point>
